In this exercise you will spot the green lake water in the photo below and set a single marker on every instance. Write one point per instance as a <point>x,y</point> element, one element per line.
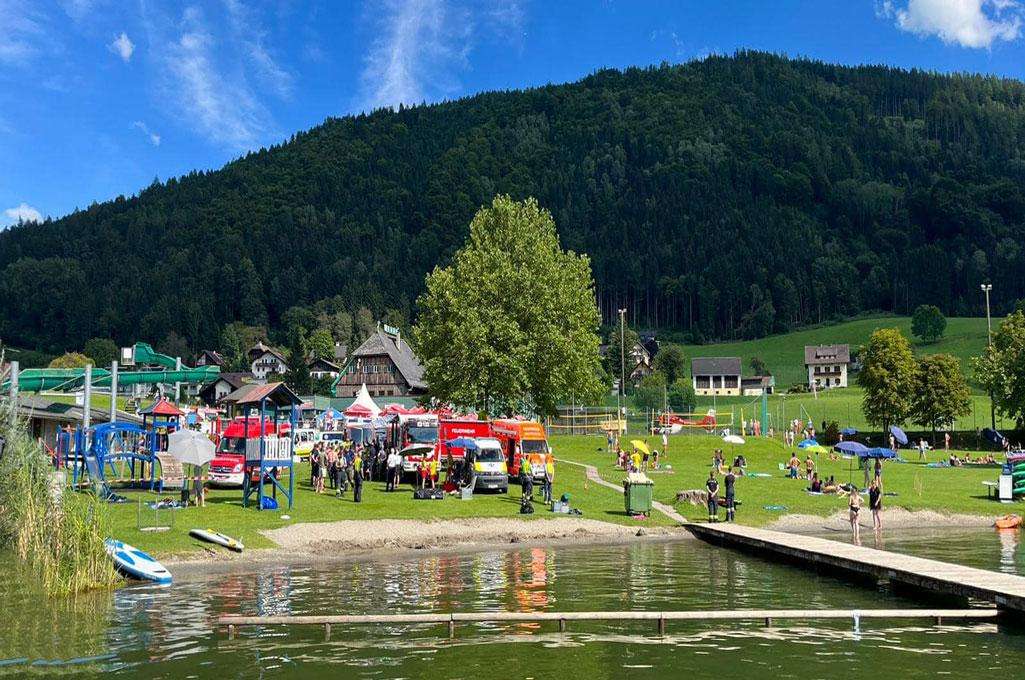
<point>168,632</point>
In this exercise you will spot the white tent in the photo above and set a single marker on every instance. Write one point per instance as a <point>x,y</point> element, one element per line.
<point>365,400</point>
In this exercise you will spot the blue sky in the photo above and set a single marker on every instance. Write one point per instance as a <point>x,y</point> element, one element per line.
<point>98,97</point>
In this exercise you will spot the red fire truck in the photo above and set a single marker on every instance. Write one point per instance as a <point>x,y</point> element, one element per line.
<point>228,466</point>
<point>414,436</point>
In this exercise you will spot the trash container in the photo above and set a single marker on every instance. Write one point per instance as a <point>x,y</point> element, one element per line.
<point>638,497</point>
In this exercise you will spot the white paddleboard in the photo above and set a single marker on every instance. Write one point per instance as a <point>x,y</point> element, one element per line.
<point>135,563</point>
<point>217,538</point>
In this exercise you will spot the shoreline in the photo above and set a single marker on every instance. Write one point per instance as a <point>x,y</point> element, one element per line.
<point>356,540</point>
<point>384,539</point>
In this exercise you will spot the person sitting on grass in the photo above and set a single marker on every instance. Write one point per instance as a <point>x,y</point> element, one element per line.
<point>794,465</point>
<point>830,486</point>
<point>955,461</point>
<point>654,459</point>
<point>718,460</point>
<point>816,483</point>
<point>740,463</point>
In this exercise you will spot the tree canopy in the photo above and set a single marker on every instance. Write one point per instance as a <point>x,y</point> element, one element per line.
<point>888,377</point>
<point>1001,370</point>
<point>726,197</point>
<point>941,394</point>
<point>671,362</point>
<point>928,323</point>
<point>511,325</point>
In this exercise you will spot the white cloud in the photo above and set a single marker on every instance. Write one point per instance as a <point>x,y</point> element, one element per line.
<point>122,46</point>
<point>251,39</point>
<point>154,138</point>
<point>78,9</point>
<point>22,213</point>
<point>22,32</point>
<point>219,105</point>
<point>421,45</point>
<point>968,23</point>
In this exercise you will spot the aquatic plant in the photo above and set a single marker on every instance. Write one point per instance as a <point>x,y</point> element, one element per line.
<point>58,533</point>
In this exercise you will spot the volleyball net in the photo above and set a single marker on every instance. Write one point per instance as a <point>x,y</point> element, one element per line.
<point>711,421</point>
<point>587,420</point>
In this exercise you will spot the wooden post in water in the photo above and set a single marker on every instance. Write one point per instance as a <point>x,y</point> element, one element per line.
<point>451,627</point>
<point>327,632</point>
<point>662,624</point>
<point>562,625</point>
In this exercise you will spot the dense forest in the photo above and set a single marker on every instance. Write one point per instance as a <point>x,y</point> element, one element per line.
<point>728,197</point>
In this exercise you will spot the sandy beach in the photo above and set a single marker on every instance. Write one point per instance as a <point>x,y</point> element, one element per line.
<point>894,519</point>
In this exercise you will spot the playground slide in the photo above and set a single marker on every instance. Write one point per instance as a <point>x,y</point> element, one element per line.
<point>70,379</point>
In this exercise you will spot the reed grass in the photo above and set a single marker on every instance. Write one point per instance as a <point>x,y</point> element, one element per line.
<point>58,533</point>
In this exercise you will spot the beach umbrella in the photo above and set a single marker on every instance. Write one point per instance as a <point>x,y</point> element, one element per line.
<point>898,435</point>
<point>191,447</point>
<point>817,449</point>
<point>733,439</point>
<point>878,452</point>
<point>848,432</point>
<point>851,448</point>
<point>806,443</point>
<point>993,436</point>
<point>640,446</point>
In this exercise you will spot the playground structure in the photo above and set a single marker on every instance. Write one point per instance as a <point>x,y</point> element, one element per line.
<point>94,453</point>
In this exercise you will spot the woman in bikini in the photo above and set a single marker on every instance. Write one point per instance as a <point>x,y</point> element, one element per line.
<point>854,505</point>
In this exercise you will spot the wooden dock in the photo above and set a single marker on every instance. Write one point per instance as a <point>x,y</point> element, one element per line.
<point>1007,591</point>
<point>660,618</point>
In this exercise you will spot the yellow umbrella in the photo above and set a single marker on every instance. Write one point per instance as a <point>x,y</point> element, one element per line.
<point>640,446</point>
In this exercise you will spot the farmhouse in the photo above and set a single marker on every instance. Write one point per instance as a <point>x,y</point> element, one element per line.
<point>827,365</point>
<point>716,375</point>
<point>322,368</point>
<point>385,364</point>
<point>265,360</point>
<point>215,390</point>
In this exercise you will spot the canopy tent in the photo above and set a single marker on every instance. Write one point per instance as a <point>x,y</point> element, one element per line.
<point>898,435</point>
<point>161,407</point>
<point>878,452</point>
<point>851,448</point>
<point>364,406</point>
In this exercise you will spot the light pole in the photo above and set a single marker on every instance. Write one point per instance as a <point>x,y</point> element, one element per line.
<point>622,365</point>
<point>986,288</point>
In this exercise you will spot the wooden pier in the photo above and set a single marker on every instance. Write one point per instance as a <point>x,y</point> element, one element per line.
<point>1007,591</point>
<point>660,618</point>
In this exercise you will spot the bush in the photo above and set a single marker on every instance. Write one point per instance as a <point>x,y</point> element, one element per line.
<point>682,398</point>
<point>928,323</point>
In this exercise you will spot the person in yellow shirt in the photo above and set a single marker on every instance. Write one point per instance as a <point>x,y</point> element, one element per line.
<point>635,460</point>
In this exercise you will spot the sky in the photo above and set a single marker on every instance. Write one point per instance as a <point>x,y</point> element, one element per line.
<point>99,97</point>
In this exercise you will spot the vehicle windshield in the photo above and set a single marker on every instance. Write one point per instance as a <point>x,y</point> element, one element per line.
<point>232,445</point>
<point>333,436</point>
<point>534,446</point>
<point>490,456</point>
<point>360,435</point>
<point>423,435</point>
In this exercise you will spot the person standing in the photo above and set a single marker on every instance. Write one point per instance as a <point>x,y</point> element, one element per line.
<point>875,504</point>
<point>665,443</point>
<point>854,508</point>
<point>549,477</point>
<point>393,461</point>
<point>730,481</point>
<point>946,441</point>
<point>357,479</point>
<point>713,497</point>
<point>526,478</point>
<point>315,470</point>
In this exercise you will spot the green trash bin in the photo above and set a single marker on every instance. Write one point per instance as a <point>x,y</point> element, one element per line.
<point>638,496</point>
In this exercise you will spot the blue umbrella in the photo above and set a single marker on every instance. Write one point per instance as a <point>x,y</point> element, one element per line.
<point>877,452</point>
<point>848,431</point>
<point>462,443</point>
<point>993,436</point>
<point>806,443</point>
<point>898,435</point>
<point>852,448</point>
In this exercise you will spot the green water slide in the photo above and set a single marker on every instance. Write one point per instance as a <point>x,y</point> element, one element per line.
<point>71,379</point>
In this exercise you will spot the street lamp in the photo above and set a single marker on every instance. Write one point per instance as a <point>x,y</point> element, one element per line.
<point>986,288</point>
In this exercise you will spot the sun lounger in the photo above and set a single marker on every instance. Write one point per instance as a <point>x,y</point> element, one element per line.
<point>172,476</point>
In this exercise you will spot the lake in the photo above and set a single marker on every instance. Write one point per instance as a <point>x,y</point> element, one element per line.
<point>168,632</point>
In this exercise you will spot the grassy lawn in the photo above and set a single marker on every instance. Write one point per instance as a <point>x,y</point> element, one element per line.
<point>224,511</point>
<point>784,354</point>
<point>954,490</point>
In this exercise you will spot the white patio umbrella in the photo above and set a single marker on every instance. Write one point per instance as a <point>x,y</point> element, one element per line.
<point>733,439</point>
<point>191,447</point>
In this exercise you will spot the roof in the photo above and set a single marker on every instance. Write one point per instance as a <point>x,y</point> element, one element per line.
<point>321,361</point>
<point>277,393</point>
<point>234,380</point>
<point>212,358</point>
<point>400,353</point>
<point>715,366</point>
<point>46,409</point>
<point>826,354</point>
<point>161,407</point>
<point>341,351</point>
<point>763,380</point>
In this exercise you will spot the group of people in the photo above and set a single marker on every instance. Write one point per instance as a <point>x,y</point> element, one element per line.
<point>348,465</point>
<point>729,494</point>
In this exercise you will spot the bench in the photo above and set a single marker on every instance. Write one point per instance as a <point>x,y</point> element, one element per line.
<point>172,475</point>
<point>991,489</point>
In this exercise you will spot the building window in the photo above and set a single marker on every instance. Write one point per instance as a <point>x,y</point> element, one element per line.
<point>730,381</point>
<point>702,382</point>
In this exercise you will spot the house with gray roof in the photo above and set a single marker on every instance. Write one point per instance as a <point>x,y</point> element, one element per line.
<point>827,365</point>
<point>385,364</point>
<point>716,375</point>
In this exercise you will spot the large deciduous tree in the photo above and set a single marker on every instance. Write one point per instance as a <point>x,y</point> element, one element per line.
<point>1001,369</point>
<point>512,322</point>
<point>888,377</point>
<point>941,394</point>
<point>671,362</point>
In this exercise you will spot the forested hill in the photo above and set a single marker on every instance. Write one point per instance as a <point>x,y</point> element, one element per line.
<point>735,196</point>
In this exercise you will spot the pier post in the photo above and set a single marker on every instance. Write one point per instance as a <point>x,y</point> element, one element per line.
<point>768,621</point>
<point>231,631</point>
<point>562,625</point>
<point>451,627</point>
<point>327,632</point>
<point>662,624</point>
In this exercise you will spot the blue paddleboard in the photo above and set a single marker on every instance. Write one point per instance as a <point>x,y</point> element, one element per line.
<point>135,563</point>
